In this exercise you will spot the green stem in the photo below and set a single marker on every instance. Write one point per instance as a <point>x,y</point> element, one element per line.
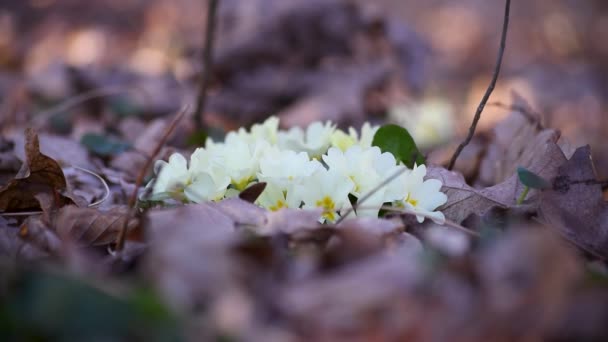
<point>523,195</point>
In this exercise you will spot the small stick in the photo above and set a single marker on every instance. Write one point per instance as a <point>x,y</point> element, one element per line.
<point>201,98</point>
<point>120,240</point>
<point>489,90</point>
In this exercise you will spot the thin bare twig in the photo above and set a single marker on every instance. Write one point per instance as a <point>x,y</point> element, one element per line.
<point>371,193</point>
<point>120,239</point>
<point>205,77</point>
<point>489,90</point>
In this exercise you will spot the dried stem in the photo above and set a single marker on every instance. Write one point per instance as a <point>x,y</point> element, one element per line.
<point>489,90</point>
<point>205,76</point>
<point>120,240</point>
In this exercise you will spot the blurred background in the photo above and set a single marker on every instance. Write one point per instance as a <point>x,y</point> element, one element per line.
<point>423,64</point>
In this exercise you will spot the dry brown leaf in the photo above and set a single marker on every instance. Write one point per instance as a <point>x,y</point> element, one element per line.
<point>189,259</point>
<point>464,200</point>
<point>575,205</point>
<point>91,226</point>
<point>253,192</point>
<point>518,141</point>
<point>63,150</point>
<point>39,174</point>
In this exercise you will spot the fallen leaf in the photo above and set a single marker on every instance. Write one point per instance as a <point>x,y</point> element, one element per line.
<point>39,174</point>
<point>64,150</point>
<point>464,200</point>
<point>575,204</point>
<point>91,226</point>
<point>253,192</point>
<point>265,222</point>
<point>189,257</point>
<point>517,142</point>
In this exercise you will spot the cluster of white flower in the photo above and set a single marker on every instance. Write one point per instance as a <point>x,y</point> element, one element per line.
<point>321,166</point>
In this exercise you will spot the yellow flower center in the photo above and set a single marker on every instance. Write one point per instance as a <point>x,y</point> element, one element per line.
<point>329,208</point>
<point>411,201</point>
<point>241,184</point>
<point>280,204</point>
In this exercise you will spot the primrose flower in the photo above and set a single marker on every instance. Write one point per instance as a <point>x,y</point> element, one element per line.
<point>171,176</point>
<point>285,168</point>
<point>423,196</point>
<point>196,184</point>
<point>325,189</point>
<point>267,131</point>
<point>239,159</point>
<point>342,140</point>
<point>206,187</point>
<point>366,168</point>
<point>367,134</point>
<point>315,140</point>
<point>272,198</point>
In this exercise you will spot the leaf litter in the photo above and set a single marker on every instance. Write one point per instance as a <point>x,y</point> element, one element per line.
<point>232,270</point>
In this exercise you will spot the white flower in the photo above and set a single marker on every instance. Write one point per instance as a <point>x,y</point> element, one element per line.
<point>197,183</point>
<point>367,134</point>
<point>342,140</point>
<point>238,159</point>
<point>423,196</point>
<point>285,168</point>
<point>325,189</point>
<point>171,177</point>
<point>272,198</point>
<point>205,187</point>
<point>315,141</point>
<point>367,168</point>
<point>267,131</point>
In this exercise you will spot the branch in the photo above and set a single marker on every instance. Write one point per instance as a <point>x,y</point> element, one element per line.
<point>120,239</point>
<point>486,96</point>
<point>201,97</point>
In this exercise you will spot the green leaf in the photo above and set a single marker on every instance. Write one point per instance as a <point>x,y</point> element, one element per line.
<point>398,141</point>
<point>531,179</point>
<point>103,145</point>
